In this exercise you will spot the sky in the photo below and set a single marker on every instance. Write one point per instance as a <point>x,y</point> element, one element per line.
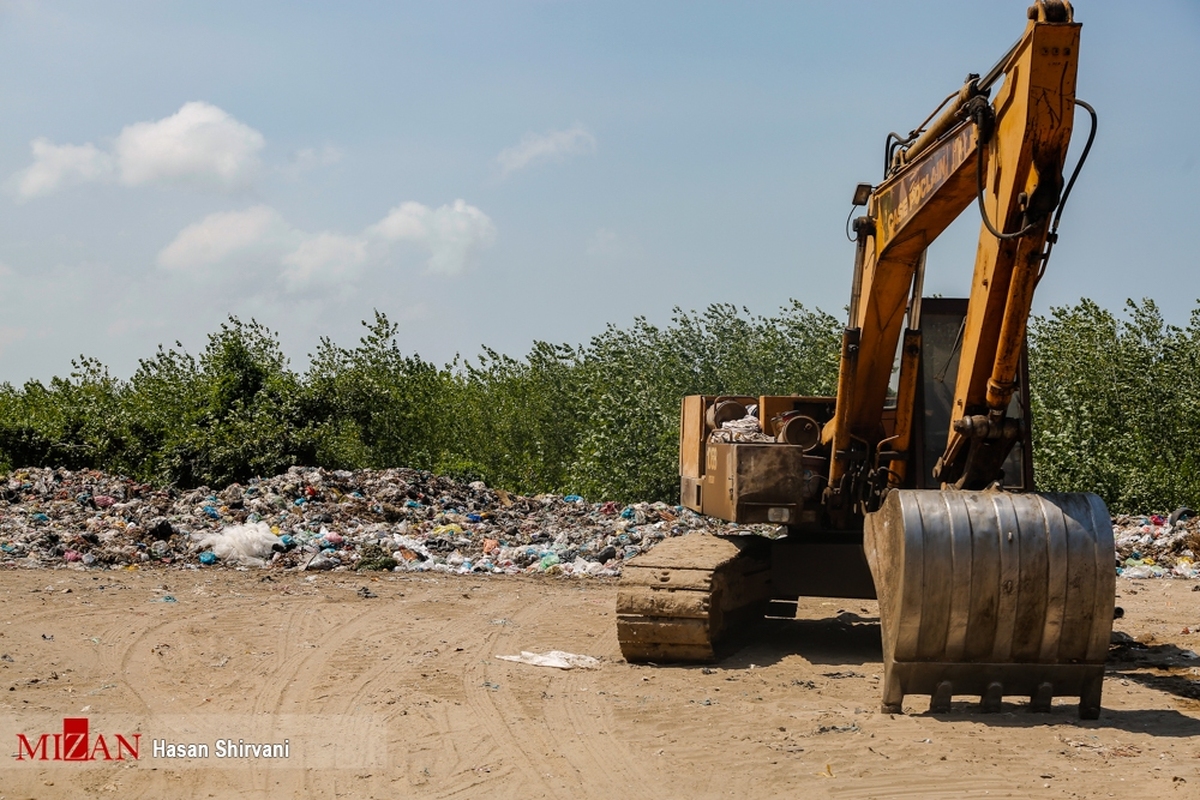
<point>492,174</point>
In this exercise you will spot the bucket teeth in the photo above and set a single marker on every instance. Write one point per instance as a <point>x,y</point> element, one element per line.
<point>991,700</point>
<point>939,703</point>
<point>1042,699</point>
<point>1089,698</point>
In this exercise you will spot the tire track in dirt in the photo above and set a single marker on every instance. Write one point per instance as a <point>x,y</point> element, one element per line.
<point>563,733</point>
<point>602,752</point>
<point>346,660</point>
<point>492,708</point>
<point>87,622</point>
<point>241,651</point>
<point>312,647</point>
<point>931,788</point>
<point>607,754</point>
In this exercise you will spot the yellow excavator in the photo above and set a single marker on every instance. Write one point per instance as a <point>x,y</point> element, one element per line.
<point>918,491</point>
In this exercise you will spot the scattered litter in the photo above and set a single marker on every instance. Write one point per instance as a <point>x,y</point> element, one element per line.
<point>555,658</point>
<point>247,545</point>
<point>1153,546</point>
<point>746,429</point>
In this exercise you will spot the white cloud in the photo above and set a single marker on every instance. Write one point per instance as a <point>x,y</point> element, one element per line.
<point>539,148</point>
<point>219,236</point>
<point>607,244</point>
<point>199,143</point>
<point>452,234</point>
<point>406,222</point>
<point>310,158</point>
<point>10,335</point>
<point>604,242</point>
<point>259,238</point>
<point>327,258</point>
<point>55,165</point>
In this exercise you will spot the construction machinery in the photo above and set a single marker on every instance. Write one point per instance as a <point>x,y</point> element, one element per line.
<point>919,493</point>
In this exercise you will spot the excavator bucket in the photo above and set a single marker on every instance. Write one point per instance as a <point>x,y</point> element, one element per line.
<point>992,593</point>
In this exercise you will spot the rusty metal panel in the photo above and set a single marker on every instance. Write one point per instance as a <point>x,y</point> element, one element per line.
<point>691,490</point>
<point>692,436</point>
<point>754,483</point>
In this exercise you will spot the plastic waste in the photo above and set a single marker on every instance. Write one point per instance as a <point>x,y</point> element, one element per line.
<point>321,561</point>
<point>558,659</point>
<point>247,545</point>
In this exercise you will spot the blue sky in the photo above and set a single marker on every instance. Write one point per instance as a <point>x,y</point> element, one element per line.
<point>495,173</point>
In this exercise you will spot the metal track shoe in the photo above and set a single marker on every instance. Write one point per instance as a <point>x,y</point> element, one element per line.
<point>678,601</point>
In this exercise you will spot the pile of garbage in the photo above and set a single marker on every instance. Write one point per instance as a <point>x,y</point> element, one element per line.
<point>396,519</point>
<point>318,519</point>
<point>1154,546</point>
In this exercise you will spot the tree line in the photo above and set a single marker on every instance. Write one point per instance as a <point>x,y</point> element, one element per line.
<point>1114,405</point>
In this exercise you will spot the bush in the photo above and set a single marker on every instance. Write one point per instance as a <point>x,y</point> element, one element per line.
<point>1115,407</point>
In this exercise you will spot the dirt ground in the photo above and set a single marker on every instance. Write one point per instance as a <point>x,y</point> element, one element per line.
<point>389,686</point>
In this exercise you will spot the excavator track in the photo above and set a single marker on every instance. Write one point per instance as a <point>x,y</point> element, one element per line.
<point>682,599</point>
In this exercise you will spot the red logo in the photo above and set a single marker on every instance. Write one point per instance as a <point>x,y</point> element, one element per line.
<point>75,743</point>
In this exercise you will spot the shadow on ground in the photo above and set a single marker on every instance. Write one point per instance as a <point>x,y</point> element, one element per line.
<point>853,644</point>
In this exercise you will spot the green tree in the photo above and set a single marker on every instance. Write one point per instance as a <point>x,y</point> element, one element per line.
<point>1114,406</point>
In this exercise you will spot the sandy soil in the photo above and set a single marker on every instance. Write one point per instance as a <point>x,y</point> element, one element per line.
<point>400,695</point>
